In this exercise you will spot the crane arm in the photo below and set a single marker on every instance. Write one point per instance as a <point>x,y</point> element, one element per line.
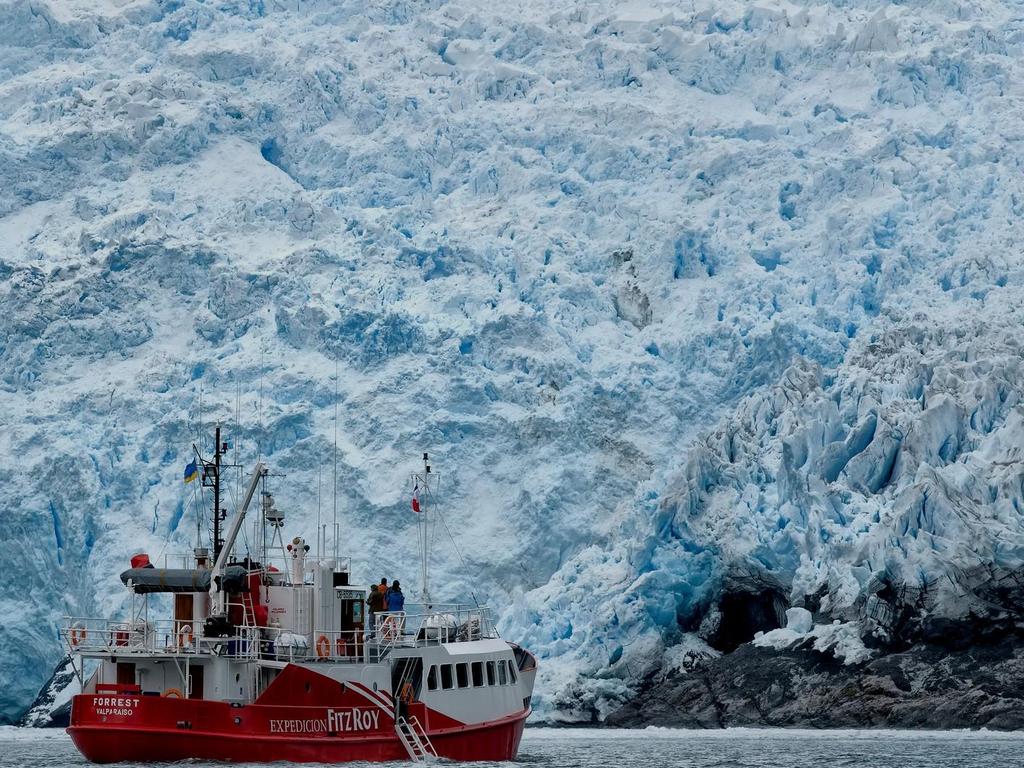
<point>236,526</point>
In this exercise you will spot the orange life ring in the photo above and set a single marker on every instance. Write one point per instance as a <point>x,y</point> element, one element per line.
<point>172,693</point>
<point>185,635</point>
<point>323,647</point>
<point>78,634</point>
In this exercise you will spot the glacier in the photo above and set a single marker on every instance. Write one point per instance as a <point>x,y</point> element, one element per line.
<point>686,300</point>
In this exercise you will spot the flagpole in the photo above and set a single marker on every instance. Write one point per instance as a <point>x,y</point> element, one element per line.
<point>334,520</point>
<point>425,529</point>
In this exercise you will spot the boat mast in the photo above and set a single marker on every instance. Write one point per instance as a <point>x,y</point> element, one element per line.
<point>211,479</point>
<point>218,542</point>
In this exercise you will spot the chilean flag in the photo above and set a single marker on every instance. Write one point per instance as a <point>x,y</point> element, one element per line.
<point>416,498</point>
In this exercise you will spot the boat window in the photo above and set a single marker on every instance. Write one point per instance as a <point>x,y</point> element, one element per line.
<point>462,674</point>
<point>492,675</point>
<point>446,676</point>
<point>432,678</point>
<point>502,674</point>
<point>512,673</point>
<point>478,674</point>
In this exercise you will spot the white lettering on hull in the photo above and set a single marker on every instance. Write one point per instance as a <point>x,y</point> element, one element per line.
<point>337,721</point>
<point>118,706</point>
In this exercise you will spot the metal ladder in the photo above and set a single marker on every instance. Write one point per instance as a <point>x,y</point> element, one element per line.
<point>414,739</point>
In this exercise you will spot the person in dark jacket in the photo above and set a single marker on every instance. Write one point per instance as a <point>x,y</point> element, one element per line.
<point>396,600</point>
<point>377,604</point>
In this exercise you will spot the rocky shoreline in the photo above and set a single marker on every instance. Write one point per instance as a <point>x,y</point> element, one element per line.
<point>926,686</point>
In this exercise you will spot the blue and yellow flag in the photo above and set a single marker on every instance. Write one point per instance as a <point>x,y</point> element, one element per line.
<point>191,472</point>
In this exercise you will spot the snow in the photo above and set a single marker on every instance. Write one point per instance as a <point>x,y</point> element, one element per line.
<point>840,639</point>
<point>14,733</point>
<point>52,704</point>
<point>668,291</point>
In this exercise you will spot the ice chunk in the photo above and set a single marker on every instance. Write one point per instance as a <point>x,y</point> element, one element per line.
<point>799,620</point>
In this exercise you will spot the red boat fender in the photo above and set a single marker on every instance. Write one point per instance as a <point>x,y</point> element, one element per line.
<point>323,647</point>
<point>341,646</point>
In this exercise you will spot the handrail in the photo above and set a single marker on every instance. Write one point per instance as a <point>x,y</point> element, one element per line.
<point>439,624</point>
<point>177,637</point>
<point>414,738</point>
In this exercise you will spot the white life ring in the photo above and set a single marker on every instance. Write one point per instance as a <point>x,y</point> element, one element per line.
<point>185,635</point>
<point>389,628</point>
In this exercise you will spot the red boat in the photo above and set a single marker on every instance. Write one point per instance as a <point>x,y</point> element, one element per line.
<point>260,664</point>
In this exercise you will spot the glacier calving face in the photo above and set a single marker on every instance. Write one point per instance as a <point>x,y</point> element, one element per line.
<point>550,246</point>
<point>905,467</point>
<point>887,494</point>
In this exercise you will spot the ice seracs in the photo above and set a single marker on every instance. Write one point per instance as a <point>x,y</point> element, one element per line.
<point>882,500</point>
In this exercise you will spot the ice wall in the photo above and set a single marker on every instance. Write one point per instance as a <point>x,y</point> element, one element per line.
<point>550,246</point>
<point>885,495</point>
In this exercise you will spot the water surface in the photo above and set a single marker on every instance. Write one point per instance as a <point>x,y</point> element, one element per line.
<point>666,748</point>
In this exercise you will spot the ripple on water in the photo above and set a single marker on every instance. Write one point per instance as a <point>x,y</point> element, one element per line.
<point>666,748</point>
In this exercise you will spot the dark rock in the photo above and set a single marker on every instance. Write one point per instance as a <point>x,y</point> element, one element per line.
<point>926,686</point>
<point>52,705</point>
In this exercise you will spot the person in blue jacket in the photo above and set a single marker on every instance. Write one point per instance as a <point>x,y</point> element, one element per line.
<point>396,600</point>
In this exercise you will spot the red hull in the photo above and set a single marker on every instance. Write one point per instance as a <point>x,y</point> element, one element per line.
<point>161,729</point>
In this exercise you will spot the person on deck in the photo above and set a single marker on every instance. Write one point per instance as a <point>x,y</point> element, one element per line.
<point>383,589</point>
<point>396,600</point>
<point>377,604</point>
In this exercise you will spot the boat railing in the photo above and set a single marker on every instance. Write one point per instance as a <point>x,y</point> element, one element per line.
<point>246,643</point>
<point>327,646</point>
<point>421,625</point>
<point>433,624</point>
<point>171,560</point>
<point>172,637</point>
<point>81,633</point>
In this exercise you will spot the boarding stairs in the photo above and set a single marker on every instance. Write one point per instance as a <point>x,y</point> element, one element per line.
<point>414,739</point>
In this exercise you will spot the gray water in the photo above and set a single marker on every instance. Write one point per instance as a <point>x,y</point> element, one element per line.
<point>661,748</point>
